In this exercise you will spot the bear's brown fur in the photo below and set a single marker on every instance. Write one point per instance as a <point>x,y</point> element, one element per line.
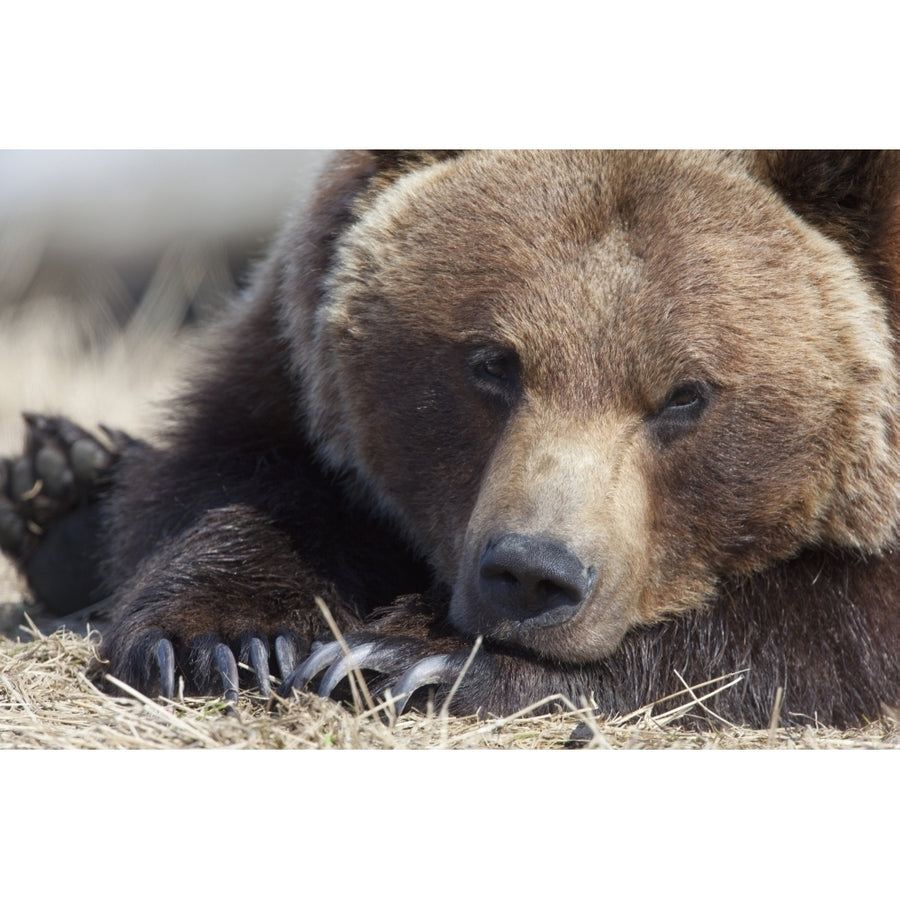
<point>630,416</point>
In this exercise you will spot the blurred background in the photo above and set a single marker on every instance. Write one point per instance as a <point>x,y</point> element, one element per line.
<point>111,263</point>
<point>111,260</point>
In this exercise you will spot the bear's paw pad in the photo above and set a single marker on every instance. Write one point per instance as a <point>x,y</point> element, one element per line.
<point>62,467</point>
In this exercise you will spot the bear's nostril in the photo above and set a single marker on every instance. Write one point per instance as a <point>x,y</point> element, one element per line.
<point>533,579</point>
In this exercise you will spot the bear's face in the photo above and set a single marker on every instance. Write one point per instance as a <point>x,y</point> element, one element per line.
<point>591,385</point>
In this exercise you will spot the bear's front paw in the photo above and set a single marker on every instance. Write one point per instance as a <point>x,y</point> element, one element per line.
<point>403,665</point>
<point>209,663</point>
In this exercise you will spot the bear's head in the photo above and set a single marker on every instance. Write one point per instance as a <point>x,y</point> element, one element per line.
<point>592,385</point>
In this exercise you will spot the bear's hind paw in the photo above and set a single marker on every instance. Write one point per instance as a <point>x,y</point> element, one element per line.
<point>50,514</point>
<point>62,467</point>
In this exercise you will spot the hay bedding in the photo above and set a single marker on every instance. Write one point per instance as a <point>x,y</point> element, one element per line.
<point>46,701</point>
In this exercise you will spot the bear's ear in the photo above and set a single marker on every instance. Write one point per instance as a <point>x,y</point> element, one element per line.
<point>389,165</point>
<point>343,190</point>
<point>852,196</point>
<point>404,160</point>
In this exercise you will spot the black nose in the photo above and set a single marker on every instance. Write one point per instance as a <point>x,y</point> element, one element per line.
<point>523,577</point>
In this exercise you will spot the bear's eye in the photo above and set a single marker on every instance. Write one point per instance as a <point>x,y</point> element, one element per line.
<point>683,399</point>
<point>494,367</point>
<point>681,409</point>
<point>495,371</point>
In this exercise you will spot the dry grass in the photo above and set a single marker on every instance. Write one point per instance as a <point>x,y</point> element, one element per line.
<point>46,701</point>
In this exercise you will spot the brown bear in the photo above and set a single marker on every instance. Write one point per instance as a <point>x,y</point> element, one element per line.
<point>631,417</point>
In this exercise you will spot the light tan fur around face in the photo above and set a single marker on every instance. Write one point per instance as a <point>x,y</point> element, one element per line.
<point>579,483</point>
<point>614,277</point>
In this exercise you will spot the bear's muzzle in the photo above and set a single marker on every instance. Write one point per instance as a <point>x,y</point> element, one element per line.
<point>532,580</point>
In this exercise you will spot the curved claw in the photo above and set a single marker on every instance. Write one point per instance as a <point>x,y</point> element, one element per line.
<point>290,649</point>
<point>284,656</point>
<point>314,664</point>
<point>431,670</point>
<point>165,659</point>
<point>258,656</point>
<point>373,655</point>
<point>226,666</point>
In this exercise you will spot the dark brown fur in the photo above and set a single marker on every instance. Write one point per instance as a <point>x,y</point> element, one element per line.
<point>675,367</point>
